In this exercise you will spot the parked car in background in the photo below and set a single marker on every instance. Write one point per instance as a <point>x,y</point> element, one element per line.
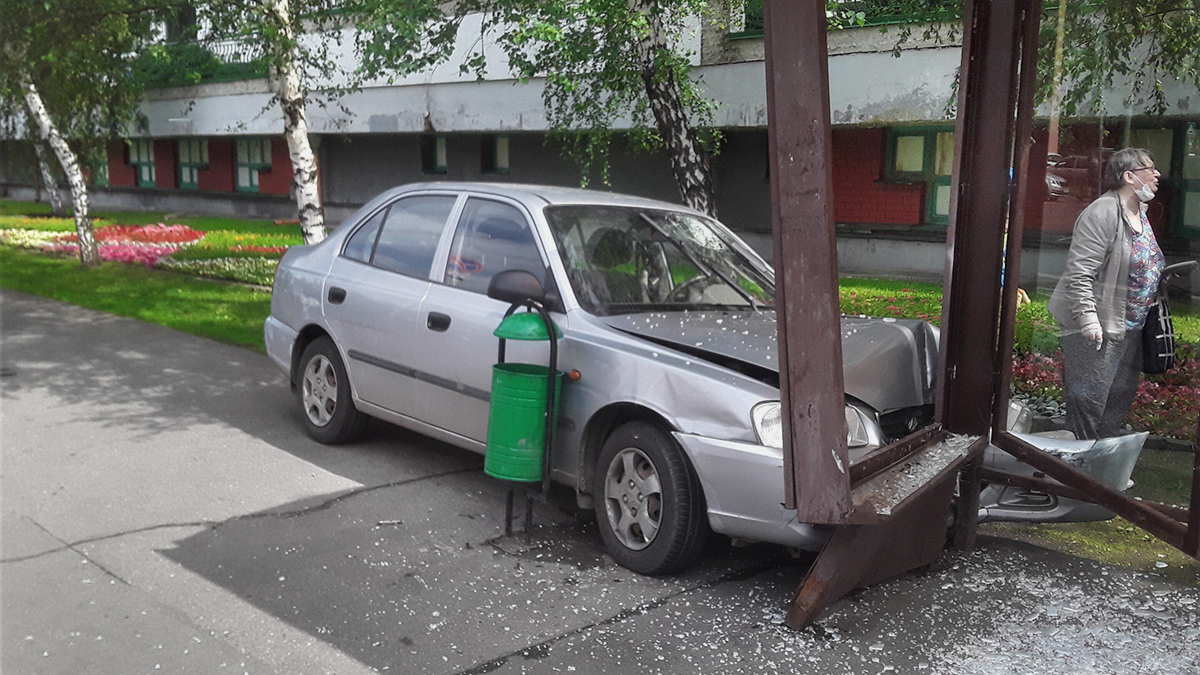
<point>673,429</point>
<point>1056,185</point>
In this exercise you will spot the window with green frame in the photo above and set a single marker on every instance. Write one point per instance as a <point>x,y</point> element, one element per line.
<point>100,174</point>
<point>193,157</point>
<point>1187,158</point>
<point>141,158</point>
<point>253,157</point>
<point>433,154</point>
<point>923,155</point>
<point>493,151</point>
<point>1176,150</point>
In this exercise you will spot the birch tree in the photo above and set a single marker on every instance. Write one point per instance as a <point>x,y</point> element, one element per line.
<point>300,41</point>
<point>606,63</point>
<point>89,254</point>
<point>66,63</point>
<point>48,179</point>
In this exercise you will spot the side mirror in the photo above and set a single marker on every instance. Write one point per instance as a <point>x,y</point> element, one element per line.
<point>516,286</point>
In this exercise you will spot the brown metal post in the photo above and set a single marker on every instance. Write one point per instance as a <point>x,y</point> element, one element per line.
<point>811,388</point>
<point>1016,210</point>
<point>1191,544</point>
<point>966,515</point>
<point>978,211</point>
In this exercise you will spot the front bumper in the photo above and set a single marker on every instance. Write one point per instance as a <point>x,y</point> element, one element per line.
<point>743,486</point>
<point>1108,460</point>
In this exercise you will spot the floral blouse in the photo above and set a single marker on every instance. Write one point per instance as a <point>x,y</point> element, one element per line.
<point>1146,265</point>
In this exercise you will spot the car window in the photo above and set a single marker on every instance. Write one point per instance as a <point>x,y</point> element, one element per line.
<point>362,242</point>
<point>410,234</point>
<point>491,237</point>
<point>622,259</point>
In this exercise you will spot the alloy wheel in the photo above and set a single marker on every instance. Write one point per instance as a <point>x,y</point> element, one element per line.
<point>633,498</point>
<point>320,385</point>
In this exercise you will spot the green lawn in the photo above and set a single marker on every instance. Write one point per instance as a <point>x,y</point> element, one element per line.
<point>228,312</point>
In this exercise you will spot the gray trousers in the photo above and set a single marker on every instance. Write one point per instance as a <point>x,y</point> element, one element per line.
<point>1099,384</point>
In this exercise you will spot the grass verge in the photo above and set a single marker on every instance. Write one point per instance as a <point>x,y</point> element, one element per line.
<point>1160,475</point>
<point>231,313</point>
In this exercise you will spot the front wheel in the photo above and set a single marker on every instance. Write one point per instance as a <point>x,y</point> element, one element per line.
<point>324,395</point>
<point>651,508</point>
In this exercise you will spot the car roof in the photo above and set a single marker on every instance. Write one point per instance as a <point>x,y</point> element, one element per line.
<point>549,194</point>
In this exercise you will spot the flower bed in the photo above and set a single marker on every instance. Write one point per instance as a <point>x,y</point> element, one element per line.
<point>22,238</point>
<point>246,257</point>
<point>130,253</point>
<point>225,244</point>
<point>922,301</point>
<point>1165,405</point>
<point>258,271</point>
<point>153,234</point>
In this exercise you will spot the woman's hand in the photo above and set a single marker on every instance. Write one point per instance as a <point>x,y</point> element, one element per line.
<point>1094,334</point>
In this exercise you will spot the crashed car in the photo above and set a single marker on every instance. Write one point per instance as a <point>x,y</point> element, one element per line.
<point>672,429</point>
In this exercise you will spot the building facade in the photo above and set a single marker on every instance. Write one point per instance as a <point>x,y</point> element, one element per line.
<point>217,147</point>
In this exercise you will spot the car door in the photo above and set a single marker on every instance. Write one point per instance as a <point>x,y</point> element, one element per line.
<point>492,235</point>
<point>373,295</point>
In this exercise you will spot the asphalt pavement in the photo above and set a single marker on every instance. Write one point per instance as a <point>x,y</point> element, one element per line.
<point>163,511</point>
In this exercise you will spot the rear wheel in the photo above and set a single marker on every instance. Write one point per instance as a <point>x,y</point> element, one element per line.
<point>650,506</point>
<point>324,395</point>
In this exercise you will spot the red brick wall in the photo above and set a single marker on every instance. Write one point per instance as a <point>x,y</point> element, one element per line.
<point>278,180</point>
<point>165,174</point>
<point>120,173</point>
<point>859,193</point>
<point>219,174</point>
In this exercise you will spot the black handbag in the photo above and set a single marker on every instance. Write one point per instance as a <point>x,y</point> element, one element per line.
<point>1158,337</point>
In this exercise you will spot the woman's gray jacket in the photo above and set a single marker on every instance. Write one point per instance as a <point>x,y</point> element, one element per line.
<point>1094,288</point>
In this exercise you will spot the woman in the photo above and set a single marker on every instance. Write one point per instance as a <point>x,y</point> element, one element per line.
<point>1112,274</point>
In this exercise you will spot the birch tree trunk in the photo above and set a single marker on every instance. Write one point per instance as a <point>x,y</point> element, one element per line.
<point>286,83</point>
<point>89,254</point>
<point>56,203</point>
<point>692,171</point>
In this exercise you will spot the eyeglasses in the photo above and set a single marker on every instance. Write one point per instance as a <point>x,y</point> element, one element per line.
<point>1143,168</point>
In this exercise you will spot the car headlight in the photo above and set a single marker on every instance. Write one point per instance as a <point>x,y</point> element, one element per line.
<point>768,425</point>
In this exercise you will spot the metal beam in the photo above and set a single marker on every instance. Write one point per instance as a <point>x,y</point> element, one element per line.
<point>1146,517</point>
<point>1191,544</point>
<point>1060,490</point>
<point>811,388</point>
<point>860,555</point>
<point>983,156</point>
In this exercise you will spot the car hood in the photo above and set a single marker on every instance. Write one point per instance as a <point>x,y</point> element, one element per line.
<point>886,363</point>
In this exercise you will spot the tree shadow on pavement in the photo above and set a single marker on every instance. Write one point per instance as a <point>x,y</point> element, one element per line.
<point>145,379</point>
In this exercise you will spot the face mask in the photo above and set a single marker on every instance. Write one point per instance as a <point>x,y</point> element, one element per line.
<point>1143,193</point>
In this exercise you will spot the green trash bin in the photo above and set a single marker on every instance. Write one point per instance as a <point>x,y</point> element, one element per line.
<point>516,439</point>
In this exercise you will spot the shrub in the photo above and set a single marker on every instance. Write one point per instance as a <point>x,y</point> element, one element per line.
<point>1035,330</point>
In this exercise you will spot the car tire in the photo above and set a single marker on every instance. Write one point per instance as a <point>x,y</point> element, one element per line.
<point>323,394</point>
<point>649,503</point>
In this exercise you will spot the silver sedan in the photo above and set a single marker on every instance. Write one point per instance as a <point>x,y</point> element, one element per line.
<point>672,429</point>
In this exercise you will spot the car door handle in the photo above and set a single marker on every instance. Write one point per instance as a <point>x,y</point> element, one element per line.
<point>437,321</point>
<point>337,295</point>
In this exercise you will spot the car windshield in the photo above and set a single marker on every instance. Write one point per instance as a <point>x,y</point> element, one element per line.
<point>623,259</point>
